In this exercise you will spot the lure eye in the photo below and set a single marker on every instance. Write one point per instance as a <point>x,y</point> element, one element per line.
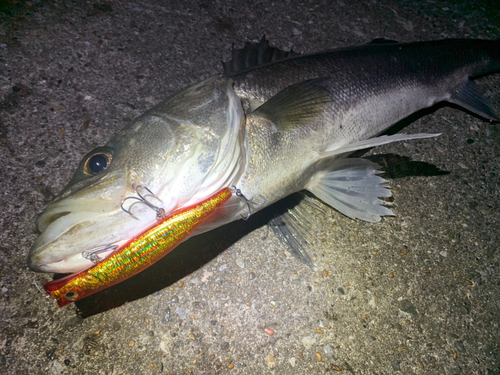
<point>97,163</point>
<point>71,295</point>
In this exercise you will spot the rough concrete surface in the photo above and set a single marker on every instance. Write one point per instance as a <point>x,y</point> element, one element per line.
<point>418,293</point>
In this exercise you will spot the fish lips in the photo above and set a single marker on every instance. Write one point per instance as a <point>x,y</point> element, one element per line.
<point>66,234</point>
<point>57,249</point>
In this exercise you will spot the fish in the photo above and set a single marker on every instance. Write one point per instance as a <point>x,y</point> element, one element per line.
<point>274,123</point>
<point>138,254</point>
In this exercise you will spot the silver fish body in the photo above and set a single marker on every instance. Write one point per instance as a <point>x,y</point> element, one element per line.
<point>270,130</point>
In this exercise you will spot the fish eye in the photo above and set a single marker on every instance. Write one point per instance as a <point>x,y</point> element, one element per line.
<point>97,163</point>
<point>71,295</point>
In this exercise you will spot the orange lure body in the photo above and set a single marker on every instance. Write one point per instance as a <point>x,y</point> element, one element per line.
<point>140,253</point>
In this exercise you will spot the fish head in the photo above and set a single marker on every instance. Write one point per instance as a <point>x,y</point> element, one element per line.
<point>177,155</point>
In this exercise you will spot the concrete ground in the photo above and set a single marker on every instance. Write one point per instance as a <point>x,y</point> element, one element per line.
<point>418,293</point>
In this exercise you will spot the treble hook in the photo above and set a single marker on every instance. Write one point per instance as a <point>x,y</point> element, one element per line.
<point>92,253</point>
<point>238,193</point>
<point>160,212</point>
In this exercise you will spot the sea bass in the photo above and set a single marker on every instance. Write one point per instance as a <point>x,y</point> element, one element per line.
<point>273,124</point>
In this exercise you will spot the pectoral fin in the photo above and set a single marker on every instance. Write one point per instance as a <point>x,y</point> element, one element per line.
<point>296,105</point>
<point>352,187</point>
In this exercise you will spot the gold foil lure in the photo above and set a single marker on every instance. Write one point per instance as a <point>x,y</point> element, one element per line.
<point>140,253</point>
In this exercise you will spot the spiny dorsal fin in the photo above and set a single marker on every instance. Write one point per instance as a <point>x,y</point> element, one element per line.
<point>297,105</point>
<point>252,55</point>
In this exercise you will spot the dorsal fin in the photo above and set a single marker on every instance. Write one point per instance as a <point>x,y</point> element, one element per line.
<point>252,55</point>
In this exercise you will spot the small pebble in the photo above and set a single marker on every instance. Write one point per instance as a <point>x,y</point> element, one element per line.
<point>252,276</point>
<point>407,307</point>
<point>325,272</point>
<point>270,361</point>
<point>181,284</point>
<point>320,331</point>
<point>131,343</point>
<point>31,324</point>
<point>404,252</point>
<point>336,368</point>
<point>174,299</point>
<point>460,346</point>
<point>396,365</point>
<point>391,275</point>
<point>240,263</point>
<point>318,356</point>
<point>181,312</point>
<point>269,331</point>
<point>308,341</point>
<point>230,366</point>
<point>223,267</point>
<point>328,350</point>
<point>166,318</point>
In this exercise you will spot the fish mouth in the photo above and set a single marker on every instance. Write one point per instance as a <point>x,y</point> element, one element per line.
<point>72,230</point>
<point>45,220</point>
<point>48,253</point>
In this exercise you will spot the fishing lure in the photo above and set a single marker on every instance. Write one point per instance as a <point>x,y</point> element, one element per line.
<point>140,253</point>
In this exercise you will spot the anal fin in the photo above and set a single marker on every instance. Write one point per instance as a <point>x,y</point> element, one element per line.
<point>470,98</point>
<point>293,226</point>
<point>353,187</point>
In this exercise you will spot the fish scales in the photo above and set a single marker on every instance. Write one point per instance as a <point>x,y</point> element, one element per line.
<point>370,86</point>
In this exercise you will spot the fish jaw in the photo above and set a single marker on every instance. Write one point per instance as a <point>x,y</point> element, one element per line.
<point>80,223</point>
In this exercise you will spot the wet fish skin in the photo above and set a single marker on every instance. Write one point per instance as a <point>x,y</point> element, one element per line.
<point>371,88</point>
<point>270,130</point>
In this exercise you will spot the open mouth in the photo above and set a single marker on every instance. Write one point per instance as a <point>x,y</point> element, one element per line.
<point>45,220</point>
<point>80,262</point>
<point>75,235</point>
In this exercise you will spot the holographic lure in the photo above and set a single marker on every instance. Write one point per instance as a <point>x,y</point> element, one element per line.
<point>140,253</point>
